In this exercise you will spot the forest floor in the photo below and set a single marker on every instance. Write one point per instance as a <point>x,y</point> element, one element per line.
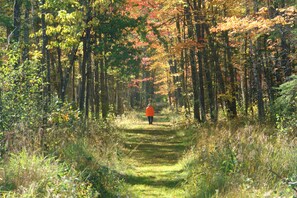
<point>153,153</point>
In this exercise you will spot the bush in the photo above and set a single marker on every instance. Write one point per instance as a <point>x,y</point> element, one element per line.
<point>286,107</point>
<point>20,93</point>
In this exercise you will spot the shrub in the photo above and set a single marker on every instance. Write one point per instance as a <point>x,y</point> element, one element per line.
<point>285,107</point>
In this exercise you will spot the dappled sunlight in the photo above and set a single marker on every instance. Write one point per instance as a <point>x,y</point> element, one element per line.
<point>153,153</point>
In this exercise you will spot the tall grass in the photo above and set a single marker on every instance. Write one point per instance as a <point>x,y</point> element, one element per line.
<point>30,175</point>
<point>128,119</point>
<point>87,157</point>
<point>241,160</point>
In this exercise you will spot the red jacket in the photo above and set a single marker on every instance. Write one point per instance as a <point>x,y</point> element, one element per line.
<point>149,111</point>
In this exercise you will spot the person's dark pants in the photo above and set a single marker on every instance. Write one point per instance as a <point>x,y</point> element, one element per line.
<point>150,119</point>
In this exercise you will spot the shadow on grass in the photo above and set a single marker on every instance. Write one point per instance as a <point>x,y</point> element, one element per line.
<point>156,154</point>
<point>152,181</point>
<point>155,146</point>
<point>156,149</point>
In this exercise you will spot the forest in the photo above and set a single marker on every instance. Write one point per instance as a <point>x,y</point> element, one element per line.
<point>76,77</point>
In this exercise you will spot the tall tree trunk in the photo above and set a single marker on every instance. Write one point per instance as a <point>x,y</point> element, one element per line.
<point>46,95</point>
<point>71,58</point>
<point>97,90</point>
<point>218,74</point>
<point>45,59</point>
<point>89,84</point>
<point>25,54</point>
<point>120,105</point>
<point>86,54</point>
<point>285,63</point>
<point>209,87</point>
<point>17,20</point>
<point>231,103</point>
<point>245,78</point>
<point>60,72</point>
<point>65,78</point>
<point>193,64</point>
<point>256,72</point>
<point>268,77</point>
<point>200,39</point>
<point>103,81</point>
<point>180,66</point>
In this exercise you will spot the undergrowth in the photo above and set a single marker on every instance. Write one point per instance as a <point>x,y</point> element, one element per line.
<point>31,175</point>
<point>241,160</point>
<point>128,119</point>
<point>70,160</point>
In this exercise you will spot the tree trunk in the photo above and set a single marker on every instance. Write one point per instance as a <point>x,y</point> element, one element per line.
<point>268,77</point>
<point>71,58</point>
<point>200,39</point>
<point>193,64</point>
<point>231,103</point>
<point>209,87</point>
<point>25,54</point>
<point>86,54</point>
<point>120,105</point>
<point>60,72</point>
<point>245,79</point>
<point>97,90</point>
<point>180,66</point>
<point>285,63</point>
<point>89,83</point>
<point>46,95</point>
<point>256,72</point>
<point>17,20</point>
<point>218,74</point>
<point>103,83</point>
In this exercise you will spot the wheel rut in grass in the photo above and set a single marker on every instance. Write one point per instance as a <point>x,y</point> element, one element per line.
<point>153,152</point>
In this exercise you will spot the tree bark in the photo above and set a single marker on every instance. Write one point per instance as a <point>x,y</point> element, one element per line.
<point>256,72</point>
<point>231,103</point>
<point>103,81</point>
<point>60,73</point>
<point>200,39</point>
<point>97,90</point>
<point>17,20</point>
<point>193,64</point>
<point>86,54</point>
<point>89,84</point>
<point>180,66</point>
<point>25,54</point>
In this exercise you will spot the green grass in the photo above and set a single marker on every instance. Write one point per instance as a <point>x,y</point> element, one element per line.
<point>77,162</point>
<point>152,154</point>
<point>241,160</point>
<point>31,175</point>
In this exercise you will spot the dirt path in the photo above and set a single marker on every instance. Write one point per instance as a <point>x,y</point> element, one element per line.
<point>153,152</point>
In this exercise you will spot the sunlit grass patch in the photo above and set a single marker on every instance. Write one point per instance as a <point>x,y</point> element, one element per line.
<point>152,159</point>
<point>129,119</point>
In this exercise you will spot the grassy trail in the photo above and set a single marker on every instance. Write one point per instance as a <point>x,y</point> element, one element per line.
<point>153,152</point>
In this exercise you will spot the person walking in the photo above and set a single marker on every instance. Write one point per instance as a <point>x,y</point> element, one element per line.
<point>149,112</point>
